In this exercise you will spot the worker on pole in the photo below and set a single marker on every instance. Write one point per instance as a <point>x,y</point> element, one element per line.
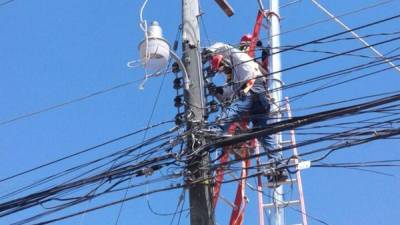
<point>247,90</point>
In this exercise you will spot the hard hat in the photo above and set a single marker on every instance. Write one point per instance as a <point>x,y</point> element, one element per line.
<point>216,62</point>
<point>246,39</point>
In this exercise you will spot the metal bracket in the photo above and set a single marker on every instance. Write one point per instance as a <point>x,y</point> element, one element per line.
<point>303,165</point>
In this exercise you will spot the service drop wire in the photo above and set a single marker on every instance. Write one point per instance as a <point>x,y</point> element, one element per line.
<point>109,190</point>
<point>329,137</point>
<point>300,121</point>
<point>84,151</point>
<point>316,41</point>
<point>37,198</point>
<point>177,186</point>
<point>321,59</point>
<point>149,141</point>
<point>207,178</point>
<point>340,72</point>
<point>346,101</point>
<point>378,163</point>
<point>78,167</point>
<point>345,71</point>
<point>251,116</point>
<point>338,134</point>
<point>330,85</point>
<point>95,181</point>
<point>85,173</point>
<point>336,73</point>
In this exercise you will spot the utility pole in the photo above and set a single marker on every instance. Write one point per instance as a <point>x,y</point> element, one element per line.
<point>200,195</point>
<point>276,95</point>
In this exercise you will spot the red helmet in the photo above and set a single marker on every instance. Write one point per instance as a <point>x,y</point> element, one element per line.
<point>216,62</point>
<point>246,39</point>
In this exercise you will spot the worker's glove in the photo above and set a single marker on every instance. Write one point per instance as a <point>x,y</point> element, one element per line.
<point>242,94</point>
<point>205,55</point>
<point>214,90</point>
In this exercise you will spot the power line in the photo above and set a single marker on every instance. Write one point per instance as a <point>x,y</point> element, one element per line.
<point>75,168</point>
<point>338,16</point>
<point>69,102</point>
<point>158,161</point>
<point>318,40</point>
<point>82,151</point>
<point>144,137</point>
<point>323,58</point>
<point>337,55</point>
<point>297,97</point>
<point>6,2</point>
<point>346,100</point>
<point>301,121</point>
<point>331,75</point>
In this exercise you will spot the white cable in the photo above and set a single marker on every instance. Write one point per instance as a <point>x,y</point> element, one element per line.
<point>134,63</point>
<point>143,26</point>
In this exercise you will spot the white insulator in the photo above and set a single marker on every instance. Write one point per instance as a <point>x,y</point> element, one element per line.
<point>155,30</point>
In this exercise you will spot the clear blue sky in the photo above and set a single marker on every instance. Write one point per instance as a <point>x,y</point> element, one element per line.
<point>55,51</point>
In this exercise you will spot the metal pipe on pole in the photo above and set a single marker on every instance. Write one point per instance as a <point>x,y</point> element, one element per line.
<point>200,195</point>
<point>276,96</point>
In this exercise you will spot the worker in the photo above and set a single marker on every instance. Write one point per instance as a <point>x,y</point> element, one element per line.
<point>245,42</point>
<point>246,87</point>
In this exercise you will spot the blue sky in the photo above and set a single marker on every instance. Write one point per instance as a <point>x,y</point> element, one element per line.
<point>55,51</point>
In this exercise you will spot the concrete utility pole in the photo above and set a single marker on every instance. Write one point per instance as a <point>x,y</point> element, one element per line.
<point>200,195</point>
<point>276,95</point>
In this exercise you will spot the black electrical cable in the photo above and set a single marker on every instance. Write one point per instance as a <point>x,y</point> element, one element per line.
<point>378,135</point>
<point>340,72</point>
<point>64,172</point>
<point>237,138</point>
<point>331,149</point>
<point>333,74</point>
<point>83,151</point>
<point>338,16</point>
<point>98,207</point>
<point>6,2</point>
<point>345,101</point>
<point>331,56</point>
<point>43,196</point>
<point>35,217</point>
<point>356,38</point>
<point>297,97</point>
<point>69,102</point>
<point>316,41</point>
<point>145,134</point>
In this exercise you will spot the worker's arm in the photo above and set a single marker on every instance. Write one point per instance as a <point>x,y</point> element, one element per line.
<point>249,85</point>
<point>257,72</point>
<point>221,93</point>
<point>219,48</point>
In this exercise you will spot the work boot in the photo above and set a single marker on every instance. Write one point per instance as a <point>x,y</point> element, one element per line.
<point>277,174</point>
<point>274,181</point>
<point>279,177</point>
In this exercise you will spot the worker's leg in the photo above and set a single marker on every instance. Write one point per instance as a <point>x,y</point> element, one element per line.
<point>237,111</point>
<point>259,118</point>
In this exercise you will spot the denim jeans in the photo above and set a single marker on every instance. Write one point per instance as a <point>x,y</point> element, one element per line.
<point>254,108</point>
